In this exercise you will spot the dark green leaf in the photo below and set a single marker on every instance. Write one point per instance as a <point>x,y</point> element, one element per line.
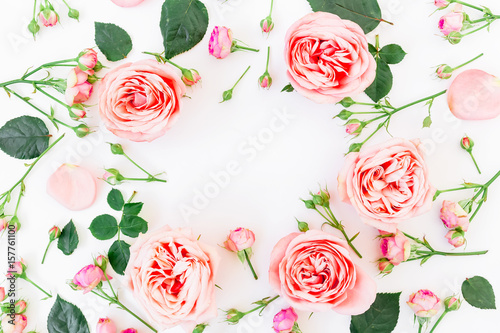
<point>372,49</point>
<point>366,13</point>
<point>113,41</point>
<point>392,54</point>
<point>133,208</point>
<point>183,24</point>
<point>115,199</point>
<point>381,317</point>
<point>287,88</point>
<point>119,254</point>
<point>427,122</point>
<point>382,84</point>
<point>65,317</point>
<point>24,137</point>
<point>104,227</point>
<point>479,293</point>
<point>68,241</point>
<point>132,225</point>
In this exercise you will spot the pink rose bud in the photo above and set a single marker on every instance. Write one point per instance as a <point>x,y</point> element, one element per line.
<point>456,237</point>
<point>88,278</point>
<point>2,294</point>
<point>239,240</point>
<point>54,233</point>
<point>444,72</point>
<point>424,303</point>
<point>87,59</point>
<point>220,42</point>
<point>454,216</point>
<point>75,77</point>
<point>284,321</point>
<point>384,266</point>
<point>467,143</point>
<point>17,268</point>
<point>20,306</point>
<point>101,262</point>
<point>267,25</point>
<point>79,93</point>
<point>396,248</point>
<point>105,325</point>
<point>190,77</point>
<point>265,81</point>
<point>48,17</point>
<point>127,3</point>
<point>77,112</point>
<point>452,21</point>
<point>441,3</point>
<point>354,127</point>
<point>129,330</point>
<point>14,326</point>
<point>452,303</point>
<point>3,224</point>
<point>14,222</point>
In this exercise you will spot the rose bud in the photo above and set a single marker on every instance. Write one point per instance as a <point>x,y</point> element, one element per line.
<point>285,321</point>
<point>101,262</point>
<point>456,237</point>
<point>33,27</point>
<point>54,233</point>
<point>3,224</point>
<point>75,77</point>
<point>454,216</point>
<point>444,72</point>
<point>220,43</point>
<point>74,14</point>
<point>14,326</point>
<point>88,278</point>
<point>87,59</point>
<point>2,294</point>
<point>267,25</point>
<point>354,127</point>
<point>441,3</point>
<point>77,112</point>
<point>190,77</point>
<point>81,130</point>
<point>48,17</point>
<point>105,325</point>
<point>20,306</point>
<point>79,93</point>
<point>129,330</point>
<point>239,240</point>
<point>452,303</point>
<point>116,149</point>
<point>233,316</point>
<point>452,22</point>
<point>395,248</point>
<point>265,81</point>
<point>424,303</point>
<point>384,266</point>
<point>18,268</point>
<point>467,143</point>
<point>15,224</point>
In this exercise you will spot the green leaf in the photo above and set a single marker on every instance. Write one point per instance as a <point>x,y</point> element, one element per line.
<point>287,88</point>
<point>68,241</point>
<point>373,50</point>
<point>382,84</point>
<point>65,317</point>
<point>366,13</point>
<point>24,137</point>
<point>381,317</point>
<point>104,227</point>
<point>132,225</point>
<point>427,122</point>
<point>133,208</point>
<point>392,54</point>
<point>114,42</point>
<point>478,292</point>
<point>119,255</point>
<point>183,24</point>
<point>115,200</point>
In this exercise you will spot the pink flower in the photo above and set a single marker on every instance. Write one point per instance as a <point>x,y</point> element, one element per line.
<point>127,3</point>
<point>474,95</point>
<point>454,216</point>
<point>267,25</point>
<point>140,101</point>
<point>87,59</point>
<point>190,77</point>
<point>424,303</point>
<point>17,268</point>
<point>444,72</point>
<point>3,224</point>
<point>239,240</point>
<point>265,81</point>
<point>284,321</point>
<point>172,275</point>
<point>88,278</point>
<point>452,303</point>
<point>313,271</point>
<point>48,17</point>
<point>467,143</point>
<point>72,186</point>
<point>453,21</point>
<point>384,266</point>
<point>455,238</point>
<point>79,93</point>
<point>328,58</point>
<point>2,294</point>
<point>129,330</point>
<point>220,42</point>
<point>20,323</point>
<point>105,325</point>
<point>76,77</point>
<point>54,233</point>
<point>20,306</point>
<point>441,3</point>
<point>396,248</point>
<point>352,128</point>
<point>387,183</point>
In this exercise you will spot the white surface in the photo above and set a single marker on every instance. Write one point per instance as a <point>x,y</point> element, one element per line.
<point>264,193</point>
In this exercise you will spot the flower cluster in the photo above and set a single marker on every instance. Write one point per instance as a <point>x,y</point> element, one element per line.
<point>80,79</point>
<point>426,304</point>
<point>47,16</point>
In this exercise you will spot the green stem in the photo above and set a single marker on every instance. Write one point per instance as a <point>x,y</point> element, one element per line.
<point>267,62</point>
<point>150,179</point>
<point>137,165</point>
<point>250,265</point>
<point>475,163</point>
<point>438,321</point>
<point>123,307</point>
<point>489,17</point>
<point>66,4</point>
<point>240,78</point>
<point>8,83</point>
<point>110,286</point>
<point>419,101</point>
<point>45,253</point>
<point>419,241</point>
<point>52,97</point>
<point>492,179</point>
<point>468,62</point>
<point>451,254</point>
<point>419,328</point>
<point>271,11</point>
<point>468,5</point>
<point>476,30</point>
<point>262,306</point>
<point>47,65</point>
<point>21,193</point>
<point>37,286</point>
<point>132,197</point>
<point>476,211</point>
<point>34,11</point>
<point>337,225</point>
<point>239,47</point>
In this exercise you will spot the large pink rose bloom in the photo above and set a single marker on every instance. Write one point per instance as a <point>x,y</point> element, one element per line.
<point>313,271</point>
<point>172,277</point>
<point>328,58</point>
<point>387,183</point>
<point>140,101</point>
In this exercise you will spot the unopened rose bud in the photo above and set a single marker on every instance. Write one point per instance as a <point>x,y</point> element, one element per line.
<point>309,204</point>
<point>14,224</point>
<point>221,41</point>
<point>200,328</point>
<point>74,14</point>
<point>77,112</point>
<point>87,59</point>
<point>467,143</point>
<point>452,303</point>
<point>344,114</point>
<point>454,37</point>
<point>116,149</point>
<point>88,278</point>
<point>81,130</point>
<point>444,72</point>
<point>33,27</point>
<point>79,93</point>
<point>101,262</point>
<point>98,67</point>
<point>347,102</point>
<point>54,233</point>
<point>105,325</point>
<point>384,266</point>
<point>303,226</point>
<point>233,316</point>
<point>20,306</point>
<point>441,4</point>
<point>456,237</point>
<point>424,303</point>
<point>92,79</point>
<point>227,95</point>
<point>17,269</point>
<point>354,127</point>
<point>114,173</point>
<point>48,17</point>
<point>267,25</point>
<point>190,77</point>
<point>265,81</point>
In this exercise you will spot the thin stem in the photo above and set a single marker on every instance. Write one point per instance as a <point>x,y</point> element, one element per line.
<point>8,83</point>
<point>262,306</point>
<point>137,165</point>
<point>468,62</point>
<point>151,179</point>
<point>452,254</point>
<point>337,225</point>
<point>21,193</point>
<point>439,320</point>
<point>427,245</point>
<point>489,17</point>
<point>47,65</point>
<point>239,47</point>
<point>250,265</point>
<point>132,197</point>
<point>66,4</point>
<point>475,163</point>
<point>37,286</point>
<point>419,328</point>
<point>110,286</point>
<point>476,211</point>
<point>45,253</point>
<point>34,10</point>
<point>468,5</point>
<point>476,30</point>
<point>419,101</point>
<point>267,62</point>
<point>271,11</point>
<point>241,77</point>
<point>123,307</point>
<point>492,179</point>
<point>52,97</point>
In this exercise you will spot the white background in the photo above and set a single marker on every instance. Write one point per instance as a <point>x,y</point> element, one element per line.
<point>264,195</point>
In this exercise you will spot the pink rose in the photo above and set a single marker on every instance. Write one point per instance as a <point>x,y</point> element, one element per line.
<point>129,330</point>
<point>105,325</point>
<point>20,323</point>
<point>284,321</point>
<point>221,41</point>
<point>87,60</point>
<point>384,266</point>
<point>453,21</point>
<point>396,248</point>
<point>2,294</point>
<point>239,240</point>
<point>313,271</point>
<point>455,237</point>
<point>75,77</point>
<point>474,95</point>
<point>72,186</point>
<point>424,303</point>
<point>20,306</point>
<point>48,17</point>
<point>441,3</point>
<point>444,72</point>
<point>387,183</point>
<point>127,3</point>
<point>140,101</point>
<point>172,276</point>
<point>190,77</point>
<point>88,278</point>
<point>454,216</point>
<point>328,58</point>
<point>79,93</point>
